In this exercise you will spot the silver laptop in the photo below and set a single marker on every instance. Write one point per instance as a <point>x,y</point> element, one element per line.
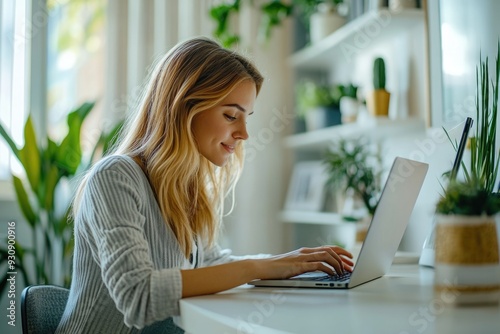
<point>384,234</point>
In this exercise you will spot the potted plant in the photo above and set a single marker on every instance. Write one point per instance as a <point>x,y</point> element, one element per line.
<point>349,103</point>
<point>466,233</point>
<point>355,165</point>
<point>322,17</point>
<point>378,100</point>
<point>221,14</point>
<point>354,176</point>
<point>318,104</point>
<point>273,13</point>
<point>46,164</point>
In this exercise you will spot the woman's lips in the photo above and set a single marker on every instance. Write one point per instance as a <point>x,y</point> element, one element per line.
<point>229,148</point>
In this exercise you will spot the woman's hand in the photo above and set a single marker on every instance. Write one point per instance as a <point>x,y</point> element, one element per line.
<point>206,280</point>
<point>329,259</point>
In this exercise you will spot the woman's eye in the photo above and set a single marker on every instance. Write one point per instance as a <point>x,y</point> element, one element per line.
<point>229,117</point>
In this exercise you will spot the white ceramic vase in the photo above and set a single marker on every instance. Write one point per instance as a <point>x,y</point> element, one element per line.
<point>323,23</point>
<point>349,109</point>
<point>396,5</point>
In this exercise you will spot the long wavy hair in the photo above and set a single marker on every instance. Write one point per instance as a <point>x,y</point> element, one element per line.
<point>192,77</point>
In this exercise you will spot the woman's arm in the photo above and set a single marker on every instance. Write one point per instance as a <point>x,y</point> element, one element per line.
<point>221,277</point>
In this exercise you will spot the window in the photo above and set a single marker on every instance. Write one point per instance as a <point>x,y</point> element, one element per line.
<point>12,77</point>
<point>75,58</point>
<point>73,70</point>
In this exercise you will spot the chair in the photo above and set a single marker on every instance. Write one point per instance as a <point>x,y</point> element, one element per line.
<point>42,307</point>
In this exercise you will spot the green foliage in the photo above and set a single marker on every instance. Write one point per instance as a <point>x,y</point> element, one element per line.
<point>222,14</point>
<point>463,198</point>
<point>353,164</point>
<point>349,91</point>
<point>476,194</point>
<point>305,8</point>
<point>311,95</point>
<point>45,165</point>
<point>379,73</point>
<point>274,12</point>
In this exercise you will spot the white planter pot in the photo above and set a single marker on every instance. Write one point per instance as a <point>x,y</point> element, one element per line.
<point>323,24</point>
<point>467,268</point>
<point>349,108</point>
<point>402,4</point>
<point>321,117</point>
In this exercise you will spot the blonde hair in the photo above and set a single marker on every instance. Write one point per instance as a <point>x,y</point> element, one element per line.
<point>194,76</point>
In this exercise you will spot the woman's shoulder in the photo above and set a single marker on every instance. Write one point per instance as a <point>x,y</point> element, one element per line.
<point>118,163</point>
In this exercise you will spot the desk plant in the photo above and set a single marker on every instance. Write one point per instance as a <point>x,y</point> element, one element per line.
<point>466,234</point>
<point>47,258</point>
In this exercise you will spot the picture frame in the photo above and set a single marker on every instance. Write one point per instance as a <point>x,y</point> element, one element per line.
<point>306,191</point>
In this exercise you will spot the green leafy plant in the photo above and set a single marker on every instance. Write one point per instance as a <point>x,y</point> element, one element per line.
<point>476,193</point>
<point>354,164</point>
<point>221,14</point>
<point>311,95</point>
<point>349,90</point>
<point>45,164</point>
<point>305,8</point>
<point>274,12</point>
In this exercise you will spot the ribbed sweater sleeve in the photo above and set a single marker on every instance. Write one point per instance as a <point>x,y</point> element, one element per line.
<point>113,203</point>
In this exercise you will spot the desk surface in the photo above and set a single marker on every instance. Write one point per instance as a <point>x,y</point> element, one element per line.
<point>401,302</point>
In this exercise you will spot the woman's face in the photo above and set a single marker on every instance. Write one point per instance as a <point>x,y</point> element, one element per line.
<point>218,130</point>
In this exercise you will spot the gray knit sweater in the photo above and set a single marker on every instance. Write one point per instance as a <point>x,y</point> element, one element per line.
<point>127,261</point>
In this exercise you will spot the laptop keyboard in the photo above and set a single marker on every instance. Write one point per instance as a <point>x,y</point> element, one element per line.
<point>326,278</point>
<point>336,278</point>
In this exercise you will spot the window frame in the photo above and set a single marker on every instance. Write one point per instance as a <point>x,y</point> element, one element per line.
<point>36,21</point>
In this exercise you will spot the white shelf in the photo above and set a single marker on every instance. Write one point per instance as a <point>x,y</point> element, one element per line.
<point>377,129</point>
<point>311,217</point>
<point>352,38</point>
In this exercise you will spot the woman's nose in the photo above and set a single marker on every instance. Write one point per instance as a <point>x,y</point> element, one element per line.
<point>241,132</point>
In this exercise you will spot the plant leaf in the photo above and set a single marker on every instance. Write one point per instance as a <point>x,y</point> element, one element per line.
<point>30,155</point>
<point>51,181</point>
<point>10,142</point>
<point>22,199</point>
<point>69,155</point>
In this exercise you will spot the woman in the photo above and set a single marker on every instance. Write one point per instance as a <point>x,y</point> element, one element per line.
<point>146,217</point>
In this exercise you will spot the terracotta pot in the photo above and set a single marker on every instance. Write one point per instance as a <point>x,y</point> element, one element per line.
<point>467,268</point>
<point>378,102</point>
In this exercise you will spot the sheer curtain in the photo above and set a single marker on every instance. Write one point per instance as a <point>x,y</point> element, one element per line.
<point>141,31</point>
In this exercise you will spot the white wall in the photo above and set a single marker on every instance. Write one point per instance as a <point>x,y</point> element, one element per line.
<point>253,227</point>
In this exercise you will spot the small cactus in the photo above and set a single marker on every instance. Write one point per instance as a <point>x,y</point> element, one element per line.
<point>379,73</point>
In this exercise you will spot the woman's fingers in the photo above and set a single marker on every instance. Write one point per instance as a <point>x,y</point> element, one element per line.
<point>339,257</point>
<point>325,257</point>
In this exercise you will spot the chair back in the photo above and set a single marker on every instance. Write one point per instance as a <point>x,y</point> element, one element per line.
<point>42,307</point>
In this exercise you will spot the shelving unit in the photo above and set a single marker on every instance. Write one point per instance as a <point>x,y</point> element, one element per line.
<point>376,129</point>
<point>309,217</point>
<point>340,48</point>
<point>368,29</point>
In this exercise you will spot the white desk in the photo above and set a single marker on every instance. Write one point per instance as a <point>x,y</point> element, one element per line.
<point>401,302</point>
